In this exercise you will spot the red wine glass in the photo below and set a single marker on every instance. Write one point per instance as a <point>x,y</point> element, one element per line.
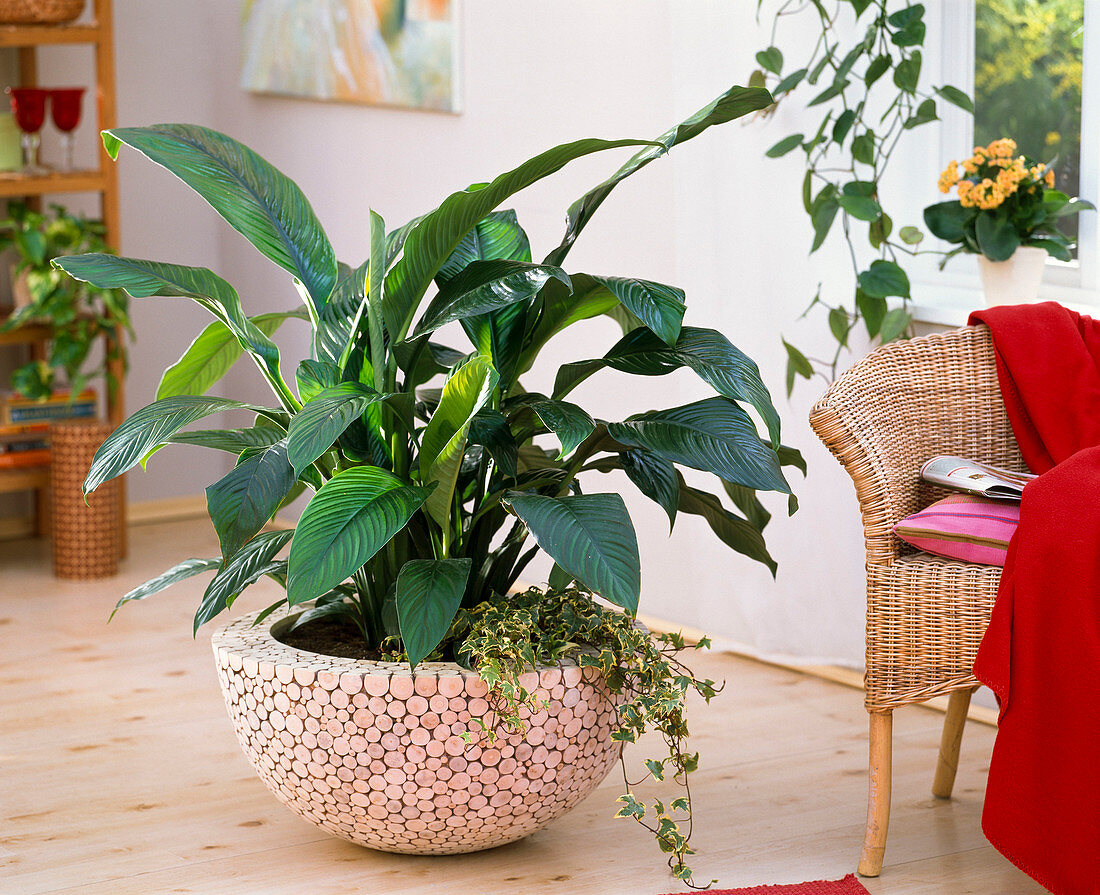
<point>65,109</point>
<point>28,105</point>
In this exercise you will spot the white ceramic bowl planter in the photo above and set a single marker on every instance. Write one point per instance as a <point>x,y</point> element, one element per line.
<point>375,754</point>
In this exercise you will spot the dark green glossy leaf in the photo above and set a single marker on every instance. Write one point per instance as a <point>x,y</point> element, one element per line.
<point>997,236</point>
<point>884,278</point>
<point>179,572</point>
<point>838,324</point>
<point>439,232</point>
<point>233,441</point>
<point>497,235</point>
<point>797,365</point>
<point>256,199</point>
<point>313,377</point>
<point>872,309</point>
<point>591,537</point>
<point>734,103</point>
<point>559,308</point>
<point>861,207</point>
<point>949,221</point>
<point>490,429</point>
<point>659,307</point>
<point>746,501</point>
<point>655,477</point>
<point>925,113</point>
<point>486,286</point>
<point>714,435</point>
<point>350,519</point>
<point>863,148</point>
<point>315,428</point>
<point>342,316</point>
<point>878,67</point>
<point>569,422</point>
<point>1053,247</point>
<point>249,565</point>
<point>559,578</point>
<point>843,125</point>
<point>732,530</point>
<point>907,73</point>
<point>149,427</point>
<point>243,501</point>
<point>429,592</point>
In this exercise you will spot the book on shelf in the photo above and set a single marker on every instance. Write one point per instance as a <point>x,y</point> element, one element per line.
<point>20,459</point>
<point>15,410</point>
<point>974,477</point>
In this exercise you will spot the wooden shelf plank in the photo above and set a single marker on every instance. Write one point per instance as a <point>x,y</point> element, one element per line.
<point>40,35</point>
<point>23,477</point>
<point>26,335</point>
<point>14,183</point>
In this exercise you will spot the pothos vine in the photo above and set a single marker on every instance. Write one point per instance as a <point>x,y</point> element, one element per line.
<point>871,95</point>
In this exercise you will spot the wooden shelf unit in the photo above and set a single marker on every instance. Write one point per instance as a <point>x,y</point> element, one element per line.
<point>97,33</point>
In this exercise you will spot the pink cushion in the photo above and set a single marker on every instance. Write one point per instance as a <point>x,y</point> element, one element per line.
<point>972,529</point>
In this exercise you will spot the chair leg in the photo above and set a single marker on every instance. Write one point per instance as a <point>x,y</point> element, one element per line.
<point>948,762</point>
<point>878,800</point>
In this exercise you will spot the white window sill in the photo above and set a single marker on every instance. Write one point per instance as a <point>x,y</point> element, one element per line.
<point>949,299</point>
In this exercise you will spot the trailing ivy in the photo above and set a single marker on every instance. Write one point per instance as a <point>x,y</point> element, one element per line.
<point>869,95</point>
<point>505,637</point>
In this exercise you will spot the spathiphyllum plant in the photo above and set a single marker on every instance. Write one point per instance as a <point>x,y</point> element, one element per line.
<point>435,475</point>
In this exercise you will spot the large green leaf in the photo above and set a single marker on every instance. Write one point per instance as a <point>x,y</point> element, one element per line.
<point>439,232</point>
<point>591,537</point>
<point>179,572</point>
<point>558,308</point>
<point>341,316</point>
<point>497,235</point>
<point>149,427</point>
<point>486,286</point>
<point>997,236</point>
<point>429,592</point>
<point>243,501</point>
<point>211,355</point>
<point>734,103</point>
<point>315,428</point>
<point>659,307</point>
<point>313,377</point>
<point>490,429</point>
<point>710,354</point>
<point>737,533</point>
<point>350,519</point>
<point>444,440</point>
<point>255,198</point>
<point>249,565</point>
<point>570,423</point>
<point>714,435</point>
<point>655,477</point>
<point>143,279</point>
<point>234,441</point>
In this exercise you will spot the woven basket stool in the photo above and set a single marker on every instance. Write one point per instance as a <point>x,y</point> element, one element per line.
<point>902,404</point>
<point>86,537</point>
<point>39,12</point>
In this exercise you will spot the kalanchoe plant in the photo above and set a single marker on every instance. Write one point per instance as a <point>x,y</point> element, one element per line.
<point>428,464</point>
<point>1005,201</point>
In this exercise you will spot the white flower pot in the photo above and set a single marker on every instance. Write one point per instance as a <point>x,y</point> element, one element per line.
<point>1015,281</point>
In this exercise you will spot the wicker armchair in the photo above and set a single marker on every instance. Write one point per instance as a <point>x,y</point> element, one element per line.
<point>903,403</point>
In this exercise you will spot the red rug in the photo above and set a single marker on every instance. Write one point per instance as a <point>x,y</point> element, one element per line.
<point>847,886</point>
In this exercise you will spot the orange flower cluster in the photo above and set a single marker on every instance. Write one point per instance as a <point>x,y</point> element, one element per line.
<point>992,174</point>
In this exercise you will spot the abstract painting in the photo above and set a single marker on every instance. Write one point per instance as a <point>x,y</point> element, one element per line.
<point>384,52</point>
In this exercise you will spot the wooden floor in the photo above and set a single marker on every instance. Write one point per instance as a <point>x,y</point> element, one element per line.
<point>120,773</point>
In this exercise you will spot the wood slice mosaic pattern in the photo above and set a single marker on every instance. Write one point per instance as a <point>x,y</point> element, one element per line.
<point>375,754</point>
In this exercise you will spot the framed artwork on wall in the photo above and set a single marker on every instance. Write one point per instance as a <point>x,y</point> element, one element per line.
<point>399,53</point>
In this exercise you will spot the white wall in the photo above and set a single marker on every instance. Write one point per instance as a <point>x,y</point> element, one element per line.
<point>716,218</point>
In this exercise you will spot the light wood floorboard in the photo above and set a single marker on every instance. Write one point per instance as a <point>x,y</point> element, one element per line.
<point>120,773</point>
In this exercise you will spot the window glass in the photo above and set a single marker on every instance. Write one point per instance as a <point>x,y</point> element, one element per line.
<point>1027,82</point>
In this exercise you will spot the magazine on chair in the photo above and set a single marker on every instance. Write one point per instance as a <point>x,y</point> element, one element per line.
<point>972,477</point>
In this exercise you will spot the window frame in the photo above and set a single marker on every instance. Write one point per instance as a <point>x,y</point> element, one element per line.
<point>945,297</point>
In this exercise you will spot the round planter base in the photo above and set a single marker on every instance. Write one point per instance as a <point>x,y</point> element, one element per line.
<point>377,755</point>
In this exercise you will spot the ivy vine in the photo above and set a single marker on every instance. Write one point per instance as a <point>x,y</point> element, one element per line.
<point>871,96</point>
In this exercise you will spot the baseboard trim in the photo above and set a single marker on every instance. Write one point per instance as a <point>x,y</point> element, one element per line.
<point>166,509</point>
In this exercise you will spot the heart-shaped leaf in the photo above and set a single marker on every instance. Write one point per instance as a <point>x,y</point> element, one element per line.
<point>256,199</point>
<point>350,519</point>
<point>429,592</point>
<point>714,435</point>
<point>591,537</point>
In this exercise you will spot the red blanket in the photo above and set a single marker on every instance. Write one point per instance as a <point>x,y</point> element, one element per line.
<point>1041,654</point>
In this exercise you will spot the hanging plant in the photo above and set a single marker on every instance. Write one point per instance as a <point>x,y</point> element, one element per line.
<point>868,91</point>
